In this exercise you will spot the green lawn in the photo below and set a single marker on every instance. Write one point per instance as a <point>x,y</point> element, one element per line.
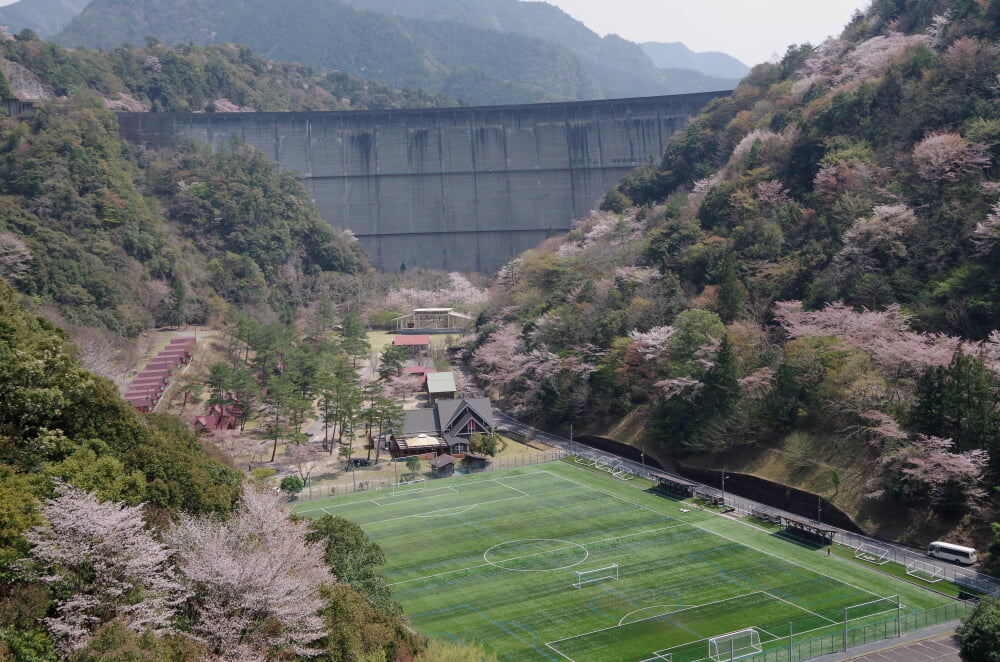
<point>493,558</point>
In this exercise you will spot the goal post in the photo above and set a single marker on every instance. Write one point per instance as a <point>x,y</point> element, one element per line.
<point>734,645</point>
<point>871,553</point>
<point>596,575</point>
<point>925,571</point>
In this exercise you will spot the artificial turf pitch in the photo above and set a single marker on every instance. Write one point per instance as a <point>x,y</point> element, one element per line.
<point>492,558</point>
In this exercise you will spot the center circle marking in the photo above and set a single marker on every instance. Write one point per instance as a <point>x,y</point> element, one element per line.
<point>515,550</point>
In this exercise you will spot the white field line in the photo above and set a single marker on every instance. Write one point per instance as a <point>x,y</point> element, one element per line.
<point>333,506</point>
<point>788,602</point>
<point>457,510</point>
<point>724,537</point>
<point>414,495</point>
<point>470,480</point>
<point>435,513</point>
<point>517,558</point>
<point>675,611</point>
<point>637,533</point>
<point>488,564</point>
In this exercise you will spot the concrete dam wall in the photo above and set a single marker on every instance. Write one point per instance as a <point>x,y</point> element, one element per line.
<point>453,188</point>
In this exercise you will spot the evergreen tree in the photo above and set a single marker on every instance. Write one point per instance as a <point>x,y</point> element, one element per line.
<point>958,402</point>
<point>730,291</point>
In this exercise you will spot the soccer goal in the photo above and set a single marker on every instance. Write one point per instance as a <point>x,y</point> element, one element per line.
<point>596,575</point>
<point>925,571</point>
<point>660,656</point>
<point>872,553</point>
<point>409,486</point>
<point>734,645</point>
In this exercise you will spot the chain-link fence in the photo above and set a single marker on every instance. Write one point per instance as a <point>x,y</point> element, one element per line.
<point>963,577</point>
<point>849,638</point>
<point>365,479</point>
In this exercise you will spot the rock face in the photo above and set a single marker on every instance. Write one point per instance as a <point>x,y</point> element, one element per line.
<point>455,188</point>
<point>23,83</point>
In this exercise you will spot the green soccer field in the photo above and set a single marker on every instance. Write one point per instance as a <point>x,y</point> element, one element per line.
<point>493,558</point>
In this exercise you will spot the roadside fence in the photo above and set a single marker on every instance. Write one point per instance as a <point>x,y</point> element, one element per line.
<point>362,479</point>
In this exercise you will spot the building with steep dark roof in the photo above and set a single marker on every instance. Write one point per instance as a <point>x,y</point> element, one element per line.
<point>446,428</point>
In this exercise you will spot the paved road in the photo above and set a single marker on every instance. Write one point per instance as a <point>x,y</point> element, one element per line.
<point>941,645</point>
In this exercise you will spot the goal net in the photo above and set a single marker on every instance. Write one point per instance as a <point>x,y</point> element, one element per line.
<point>734,645</point>
<point>596,575</point>
<point>408,486</point>
<point>872,553</point>
<point>925,571</point>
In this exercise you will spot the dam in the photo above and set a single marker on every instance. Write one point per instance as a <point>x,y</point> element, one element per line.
<point>462,189</point>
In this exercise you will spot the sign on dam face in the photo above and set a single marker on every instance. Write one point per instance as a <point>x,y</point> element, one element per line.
<point>461,189</point>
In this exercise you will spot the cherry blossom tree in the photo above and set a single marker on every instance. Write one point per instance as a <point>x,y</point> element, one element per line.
<point>873,242</point>
<point>946,156</point>
<point>757,384</point>
<point>254,581</point>
<point>885,334</point>
<point>103,564</point>
<point>926,467</point>
<point>15,256</point>
<point>986,234</point>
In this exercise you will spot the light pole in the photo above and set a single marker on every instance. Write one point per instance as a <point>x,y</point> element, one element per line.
<point>642,457</point>
<point>572,451</point>
<point>724,476</point>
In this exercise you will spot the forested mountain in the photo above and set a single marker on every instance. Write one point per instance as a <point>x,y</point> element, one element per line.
<point>479,51</point>
<point>101,237</point>
<point>44,17</point>
<point>223,78</point>
<point>676,55</point>
<point>120,539</point>
<point>804,287</point>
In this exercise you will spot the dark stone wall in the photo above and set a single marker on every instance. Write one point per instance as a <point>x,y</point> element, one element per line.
<point>451,188</point>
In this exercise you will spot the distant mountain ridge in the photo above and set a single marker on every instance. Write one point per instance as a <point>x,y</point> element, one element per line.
<point>677,55</point>
<point>45,17</point>
<point>478,51</point>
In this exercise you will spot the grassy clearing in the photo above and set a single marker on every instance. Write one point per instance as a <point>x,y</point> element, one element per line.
<point>492,558</point>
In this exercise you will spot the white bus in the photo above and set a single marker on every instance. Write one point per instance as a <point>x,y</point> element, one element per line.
<point>949,552</point>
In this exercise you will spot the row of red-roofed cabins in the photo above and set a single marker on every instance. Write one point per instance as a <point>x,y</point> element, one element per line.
<point>147,387</point>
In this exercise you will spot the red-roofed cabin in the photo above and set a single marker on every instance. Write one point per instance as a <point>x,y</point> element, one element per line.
<point>141,403</point>
<point>218,417</point>
<point>156,387</point>
<point>162,365</point>
<point>418,343</point>
<point>149,379</point>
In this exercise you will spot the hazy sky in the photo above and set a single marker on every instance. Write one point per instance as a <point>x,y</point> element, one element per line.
<point>750,30</point>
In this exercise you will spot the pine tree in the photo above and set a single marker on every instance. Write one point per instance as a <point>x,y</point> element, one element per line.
<point>958,402</point>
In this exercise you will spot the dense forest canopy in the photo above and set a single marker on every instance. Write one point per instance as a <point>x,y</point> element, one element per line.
<point>810,269</point>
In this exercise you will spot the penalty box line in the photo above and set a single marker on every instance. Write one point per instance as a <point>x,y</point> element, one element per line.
<point>454,489</point>
<point>650,618</point>
<point>483,565</point>
<point>714,533</point>
<point>448,511</point>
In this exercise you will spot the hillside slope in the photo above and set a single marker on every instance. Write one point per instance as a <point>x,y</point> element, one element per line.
<point>811,266</point>
<point>97,236</point>
<point>481,52</point>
